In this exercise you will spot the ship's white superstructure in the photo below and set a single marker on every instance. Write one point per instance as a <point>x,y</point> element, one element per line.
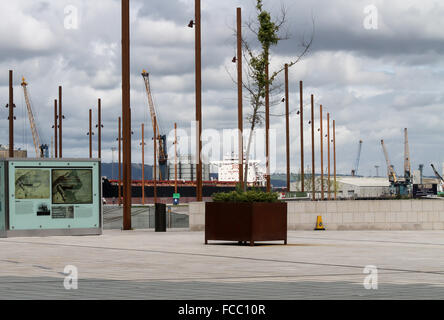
<point>228,170</point>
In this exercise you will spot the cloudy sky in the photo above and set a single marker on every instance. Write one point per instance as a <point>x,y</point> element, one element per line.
<point>374,82</point>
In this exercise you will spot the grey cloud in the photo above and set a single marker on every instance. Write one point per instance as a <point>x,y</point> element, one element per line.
<point>171,10</point>
<point>374,83</point>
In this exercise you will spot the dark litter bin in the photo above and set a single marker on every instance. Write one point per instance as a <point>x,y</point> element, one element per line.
<point>160,218</point>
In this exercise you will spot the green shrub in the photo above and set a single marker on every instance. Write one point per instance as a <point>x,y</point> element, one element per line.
<point>253,195</point>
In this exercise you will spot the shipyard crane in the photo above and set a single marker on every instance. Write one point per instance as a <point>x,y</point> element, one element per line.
<point>407,167</point>
<point>390,171</point>
<point>401,186</point>
<point>437,174</point>
<point>162,154</point>
<point>41,150</point>
<point>354,171</point>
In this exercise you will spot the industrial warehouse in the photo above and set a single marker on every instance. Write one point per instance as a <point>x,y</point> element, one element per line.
<point>199,152</point>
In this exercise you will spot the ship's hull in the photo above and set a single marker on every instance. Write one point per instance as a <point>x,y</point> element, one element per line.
<point>164,192</point>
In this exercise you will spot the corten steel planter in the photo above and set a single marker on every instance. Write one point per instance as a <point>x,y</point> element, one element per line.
<point>257,221</point>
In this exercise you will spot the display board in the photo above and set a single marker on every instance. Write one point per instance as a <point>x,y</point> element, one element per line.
<point>51,194</point>
<point>2,198</point>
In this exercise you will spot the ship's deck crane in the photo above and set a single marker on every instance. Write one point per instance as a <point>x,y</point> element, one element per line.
<point>41,150</point>
<point>162,154</point>
<point>354,171</point>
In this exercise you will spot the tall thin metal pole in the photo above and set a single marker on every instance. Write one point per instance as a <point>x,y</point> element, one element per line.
<point>328,152</point>
<point>143,164</point>
<point>126,115</point>
<point>322,155</point>
<point>175,157</point>
<point>112,161</point>
<point>60,122</point>
<point>155,160</point>
<point>312,150</point>
<point>287,126</point>
<point>334,157</point>
<point>56,147</point>
<point>239,98</point>
<point>267,126</point>
<point>120,162</point>
<point>301,114</point>
<point>198,71</point>
<point>90,133</point>
<point>99,130</point>
<point>11,115</point>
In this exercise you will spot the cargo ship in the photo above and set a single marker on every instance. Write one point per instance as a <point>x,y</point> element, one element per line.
<point>227,178</point>
<point>165,190</point>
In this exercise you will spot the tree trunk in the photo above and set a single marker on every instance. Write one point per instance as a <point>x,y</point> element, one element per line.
<point>247,154</point>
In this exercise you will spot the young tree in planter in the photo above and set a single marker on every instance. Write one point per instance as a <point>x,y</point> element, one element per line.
<point>268,33</point>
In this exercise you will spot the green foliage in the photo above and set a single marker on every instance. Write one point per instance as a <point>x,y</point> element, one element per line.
<point>267,35</point>
<point>268,30</point>
<point>253,195</point>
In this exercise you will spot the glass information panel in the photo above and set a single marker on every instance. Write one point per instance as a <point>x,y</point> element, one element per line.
<point>54,195</point>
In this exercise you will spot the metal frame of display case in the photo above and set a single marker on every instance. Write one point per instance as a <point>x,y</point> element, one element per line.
<point>3,204</point>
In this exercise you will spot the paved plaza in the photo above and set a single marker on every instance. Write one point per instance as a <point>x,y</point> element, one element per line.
<point>142,264</point>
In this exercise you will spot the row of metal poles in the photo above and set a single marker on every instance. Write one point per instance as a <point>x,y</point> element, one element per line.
<point>238,59</point>
<point>58,123</point>
<point>99,127</point>
<point>125,121</point>
<point>58,120</point>
<point>125,129</point>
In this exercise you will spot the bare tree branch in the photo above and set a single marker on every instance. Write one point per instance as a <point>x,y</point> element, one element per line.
<point>306,47</point>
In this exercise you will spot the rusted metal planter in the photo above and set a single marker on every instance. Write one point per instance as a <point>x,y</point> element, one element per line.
<point>257,221</point>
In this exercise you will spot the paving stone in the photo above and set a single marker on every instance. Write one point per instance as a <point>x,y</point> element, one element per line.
<point>142,264</point>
